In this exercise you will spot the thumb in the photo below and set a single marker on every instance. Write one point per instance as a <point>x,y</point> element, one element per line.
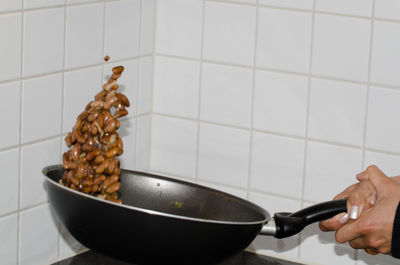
<point>375,176</point>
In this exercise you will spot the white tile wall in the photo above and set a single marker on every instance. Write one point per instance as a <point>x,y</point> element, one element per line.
<point>122,17</point>
<point>10,113</point>
<point>280,103</point>
<point>10,47</point>
<point>38,225</point>
<point>305,91</point>
<point>37,107</point>
<point>385,53</point>
<point>223,161</point>
<point>341,47</point>
<point>173,146</point>
<point>179,27</point>
<point>51,66</point>
<point>9,199</point>
<point>229,32</point>
<point>9,234</point>
<point>84,35</point>
<point>349,7</point>
<point>226,94</point>
<point>43,56</point>
<point>10,5</point>
<point>284,39</point>
<point>382,129</point>
<point>277,159</point>
<point>344,104</point>
<point>176,89</point>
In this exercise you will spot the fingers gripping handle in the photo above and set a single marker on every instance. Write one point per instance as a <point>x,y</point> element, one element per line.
<point>288,224</point>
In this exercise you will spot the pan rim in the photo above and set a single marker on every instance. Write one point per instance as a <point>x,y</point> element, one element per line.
<point>158,213</point>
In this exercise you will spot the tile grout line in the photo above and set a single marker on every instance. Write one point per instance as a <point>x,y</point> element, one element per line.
<point>62,112</point>
<point>252,100</point>
<point>20,135</point>
<point>200,85</point>
<point>306,141</point>
<point>321,141</point>
<point>280,71</point>
<point>371,41</point>
<point>139,63</point>
<point>153,67</point>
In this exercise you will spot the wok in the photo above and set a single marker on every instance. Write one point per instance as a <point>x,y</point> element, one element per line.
<point>164,220</point>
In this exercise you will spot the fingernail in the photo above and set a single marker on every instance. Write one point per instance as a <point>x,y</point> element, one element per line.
<point>344,219</point>
<point>373,198</point>
<point>354,212</point>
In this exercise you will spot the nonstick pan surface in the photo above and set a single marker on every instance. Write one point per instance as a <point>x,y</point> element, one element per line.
<point>167,220</point>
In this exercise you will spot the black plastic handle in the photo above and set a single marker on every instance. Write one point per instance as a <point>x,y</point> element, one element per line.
<point>288,224</point>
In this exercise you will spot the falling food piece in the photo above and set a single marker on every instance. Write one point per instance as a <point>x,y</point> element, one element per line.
<point>106,58</point>
<point>91,165</point>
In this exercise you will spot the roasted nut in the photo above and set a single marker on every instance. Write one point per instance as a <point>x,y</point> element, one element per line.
<point>114,187</point>
<point>113,152</point>
<point>118,70</point>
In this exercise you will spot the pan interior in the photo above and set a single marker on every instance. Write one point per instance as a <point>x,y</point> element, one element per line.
<point>170,196</point>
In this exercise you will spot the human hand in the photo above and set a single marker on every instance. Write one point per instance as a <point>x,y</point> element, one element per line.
<point>373,229</point>
<point>360,197</point>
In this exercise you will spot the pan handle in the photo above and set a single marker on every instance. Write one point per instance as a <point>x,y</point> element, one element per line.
<point>288,224</point>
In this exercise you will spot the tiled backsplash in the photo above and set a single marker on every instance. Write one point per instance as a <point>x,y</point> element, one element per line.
<point>51,66</point>
<point>280,102</point>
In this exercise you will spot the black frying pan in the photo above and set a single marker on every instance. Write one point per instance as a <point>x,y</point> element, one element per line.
<point>168,221</point>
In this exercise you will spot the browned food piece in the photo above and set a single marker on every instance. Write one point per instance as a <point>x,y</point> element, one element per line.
<point>106,58</point>
<point>91,164</point>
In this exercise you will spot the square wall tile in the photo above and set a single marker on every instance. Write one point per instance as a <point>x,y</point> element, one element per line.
<point>229,33</point>
<point>43,56</point>
<point>277,162</point>
<point>329,170</point>
<point>179,27</point>
<point>148,26</point>
<point>337,111</point>
<point>226,94</point>
<point>128,83</point>
<point>389,164</point>
<point>241,193</point>
<point>319,247</point>
<point>69,246</point>
<point>383,128</point>
<point>10,47</point>
<point>173,146</point>
<point>38,225</point>
<point>387,9</point>
<point>176,87</point>
<point>122,29</point>
<point>10,5</point>
<point>224,155</point>
<point>84,36</point>
<point>266,245</point>
<point>42,3</point>
<point>341,47</point>
<point>127,132</point>
<point>9,113</point>
<point>80,87</point>
<point>385,53</point>
<point>9,189</point>
<point>348,7</point>
<point>143,137</point>
<point>41,107</point>
<point>284,39</point>
<point>33,159</point>
<point>9,237</point>
<point>301,4</point>
<point>145,85</point>
<point>280,103</point>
